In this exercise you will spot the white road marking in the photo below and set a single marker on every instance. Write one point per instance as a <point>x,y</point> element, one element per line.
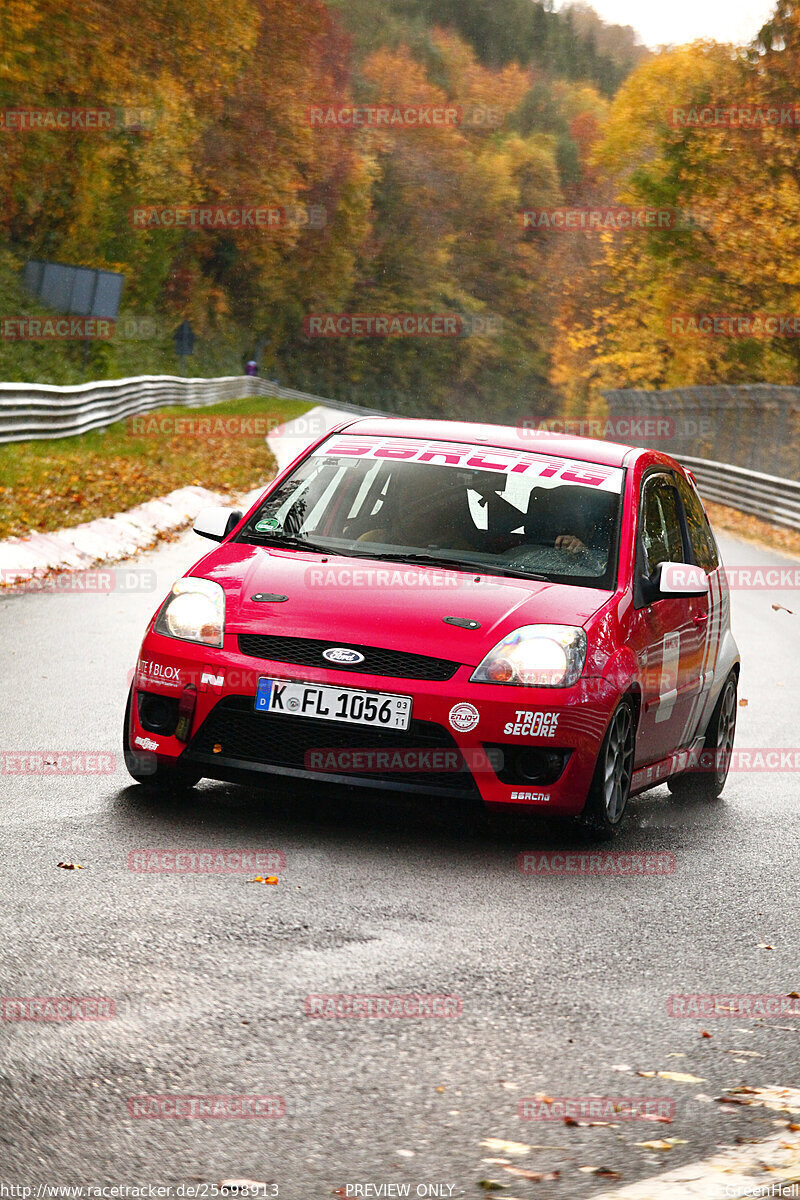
<point>754,1169</point>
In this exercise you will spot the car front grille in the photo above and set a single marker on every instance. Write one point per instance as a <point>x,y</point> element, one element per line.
<point>307,652</point>
<point>245,736</point>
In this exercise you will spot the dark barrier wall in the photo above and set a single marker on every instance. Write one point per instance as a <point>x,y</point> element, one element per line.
<point>756,426</point>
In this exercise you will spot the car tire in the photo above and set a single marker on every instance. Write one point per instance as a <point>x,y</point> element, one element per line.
<point>611,782</point>
<point>708,785</point>
<point>150,771</point>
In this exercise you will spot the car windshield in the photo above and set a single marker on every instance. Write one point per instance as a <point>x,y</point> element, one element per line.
<point>475,508</point>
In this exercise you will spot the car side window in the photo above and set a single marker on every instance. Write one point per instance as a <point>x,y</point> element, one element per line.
<point>703,544</point>
<point>660,529</point>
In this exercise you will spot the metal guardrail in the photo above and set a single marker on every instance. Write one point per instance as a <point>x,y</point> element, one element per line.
<point>767,496</point>
<point>34,412</point>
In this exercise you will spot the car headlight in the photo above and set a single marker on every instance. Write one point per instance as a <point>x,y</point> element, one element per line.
<point>194,612</point>
<point>535,656</point>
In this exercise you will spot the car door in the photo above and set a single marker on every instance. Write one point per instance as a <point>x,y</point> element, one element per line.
<point>665,636</point>
<point>709,613</point>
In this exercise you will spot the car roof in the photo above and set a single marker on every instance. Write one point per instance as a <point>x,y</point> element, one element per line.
<point>509,437</point>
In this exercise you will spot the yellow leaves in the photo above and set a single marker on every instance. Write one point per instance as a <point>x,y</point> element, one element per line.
<point>503,1147</point>
<point>98,475</point>
<point>774,1098</point>
<point>662,1143</point>
<point>675,1076</point>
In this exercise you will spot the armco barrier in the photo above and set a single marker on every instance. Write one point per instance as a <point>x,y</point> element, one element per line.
<point>33,412</point>
<point>766,496</point>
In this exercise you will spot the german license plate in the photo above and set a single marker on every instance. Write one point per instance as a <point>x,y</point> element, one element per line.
<point>326,703</point>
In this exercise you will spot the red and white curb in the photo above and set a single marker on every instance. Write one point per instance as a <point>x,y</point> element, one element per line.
<point>754,1169</point>
<point>110,539</point>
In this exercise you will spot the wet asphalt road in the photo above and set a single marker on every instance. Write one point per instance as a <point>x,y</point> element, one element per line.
<point>562,980</point>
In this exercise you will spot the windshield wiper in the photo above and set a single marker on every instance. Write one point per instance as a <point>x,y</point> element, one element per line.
<point>289,541</point>
<point>458,564</point>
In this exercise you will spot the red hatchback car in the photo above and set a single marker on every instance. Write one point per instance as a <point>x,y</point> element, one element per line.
<point>526,619</point>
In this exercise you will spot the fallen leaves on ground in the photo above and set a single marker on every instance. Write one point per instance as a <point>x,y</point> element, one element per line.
<point>743,703</point>
<point>775,1098</point>
<point>492,1185</point>
<point>103,472</point>
<point>503,1147</point>
<point>603,1172</point>
<point>780,608</point>
<point>67,866</point>
<point>662,1143</point>
<point>588,1124</point>
<point>764,946</point>
<point>674,1076</point>
<point>536,1176</point>
<point>263,879</point>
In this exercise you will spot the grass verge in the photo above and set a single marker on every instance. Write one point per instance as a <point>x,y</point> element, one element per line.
<point>56,484</point>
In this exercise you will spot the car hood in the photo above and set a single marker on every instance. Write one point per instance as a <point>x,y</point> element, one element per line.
<point>393,605</point>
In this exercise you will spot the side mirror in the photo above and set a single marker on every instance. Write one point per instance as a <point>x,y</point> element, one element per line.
<point>680,579</point>
<point>217,522</point>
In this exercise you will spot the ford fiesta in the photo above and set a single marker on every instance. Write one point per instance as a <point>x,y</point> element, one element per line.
<point>529,620</point>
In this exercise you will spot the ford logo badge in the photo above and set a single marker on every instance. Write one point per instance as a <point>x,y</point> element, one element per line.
<point>339,654</point>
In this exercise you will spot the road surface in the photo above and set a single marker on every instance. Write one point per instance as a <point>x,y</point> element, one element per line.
<point>562,981</point>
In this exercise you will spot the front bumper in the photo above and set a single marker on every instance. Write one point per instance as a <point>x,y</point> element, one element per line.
<point>506,746</point>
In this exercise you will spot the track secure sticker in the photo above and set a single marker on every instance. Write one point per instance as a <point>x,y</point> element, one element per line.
<point>532,724</point>
<point>464,717</point>
<point>266,524</point>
